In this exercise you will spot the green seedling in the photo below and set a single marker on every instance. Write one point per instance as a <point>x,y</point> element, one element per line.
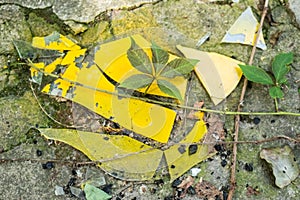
<point>280,68</point>
<point>157,69</point>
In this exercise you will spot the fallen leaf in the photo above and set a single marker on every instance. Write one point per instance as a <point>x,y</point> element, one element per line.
<point>244,31</point>
<point>179,157</point>
<point>219,74</point>
<point>215,128</point>
<point>206,190</point>
<point>284,166</point>
<point>185,184</point>
<point>252,191</point>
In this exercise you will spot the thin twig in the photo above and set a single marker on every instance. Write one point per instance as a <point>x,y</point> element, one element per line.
<point>46,113</point>
<point>237,119</point>
<point>254,142</point>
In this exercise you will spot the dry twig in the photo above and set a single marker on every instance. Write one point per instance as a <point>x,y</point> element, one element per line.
<point>237,119</point>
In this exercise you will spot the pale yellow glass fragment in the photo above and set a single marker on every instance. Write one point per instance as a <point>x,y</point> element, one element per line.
<point>120,156</point>
<point>178,156</point>
<point>219,74</point>
<point>244,31</point>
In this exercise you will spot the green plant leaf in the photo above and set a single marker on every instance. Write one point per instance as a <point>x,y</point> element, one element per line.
<point>256,74</point>
<point>179,67</point>
<point>137,81</point>
<point>159,57</point>
<point>276,92</point>
<point>138,58</point>
<point>283,80</point>
<point>169,88</point>
<point>279,65</point>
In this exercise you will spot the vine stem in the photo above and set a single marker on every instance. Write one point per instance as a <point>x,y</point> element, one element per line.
<point>174,105</point>
<point>239,108</point>
<point>253,142</point>
<point>276,104</point>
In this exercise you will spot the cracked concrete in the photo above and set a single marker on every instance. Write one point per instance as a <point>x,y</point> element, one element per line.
<point>294,5</point>
<point>83,11</point>
<point>168,23</point>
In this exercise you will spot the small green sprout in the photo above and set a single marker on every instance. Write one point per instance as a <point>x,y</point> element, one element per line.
<point>280,68</point>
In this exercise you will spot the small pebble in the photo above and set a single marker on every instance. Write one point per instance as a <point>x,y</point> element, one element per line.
<point>195,171</point>
<point>191,190</point>
<point>59,190</point>
<point>76,192</point>
<point>248,167</point>
<point>193,149</point>
<point>48,165</point>
<point>39,152</point>
<point>176,183</point>
<point>223,163</point>
<point>256,120</point>
<point>143,189</point>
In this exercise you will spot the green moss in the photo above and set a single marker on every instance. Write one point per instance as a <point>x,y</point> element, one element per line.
<point>97,33</point>
<point>41,27</point>
<point>19,114</point>
<point>136,21</point>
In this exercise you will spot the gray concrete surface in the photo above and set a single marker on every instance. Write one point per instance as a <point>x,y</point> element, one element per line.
<point>182,22</point>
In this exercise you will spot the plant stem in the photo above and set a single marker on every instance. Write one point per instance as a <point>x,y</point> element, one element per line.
<point>276,104</point>
<point>164,103</point>
<point>237,119</point>
<point>148,87</point>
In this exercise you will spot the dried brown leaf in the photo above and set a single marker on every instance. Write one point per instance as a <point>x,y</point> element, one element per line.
<point>206,190</point>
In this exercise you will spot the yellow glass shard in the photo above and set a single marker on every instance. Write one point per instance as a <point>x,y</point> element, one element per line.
<point>219,74</point>
<point>34,72</point>
<point>55,41</point>
<point>52,66</point>
<point>71,56</point>
<point>82,81</point>
<point>85,84</point>
<point>120,156</point>
<point>180,159</point>
<point>126,158</point>
<point>244,31</point>
<point>112,58</point>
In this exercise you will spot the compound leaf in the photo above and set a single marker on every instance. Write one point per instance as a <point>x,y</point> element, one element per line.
<point>169,88</point>
<point>138,58</point>
<point>279,65</point>
<point>179,67</point>
<point>137,81</point>
<point>276,92</point>
<point>159,57</point>
<point>256,74</point>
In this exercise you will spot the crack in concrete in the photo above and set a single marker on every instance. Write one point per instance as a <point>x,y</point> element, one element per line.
<point>67,15</point>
